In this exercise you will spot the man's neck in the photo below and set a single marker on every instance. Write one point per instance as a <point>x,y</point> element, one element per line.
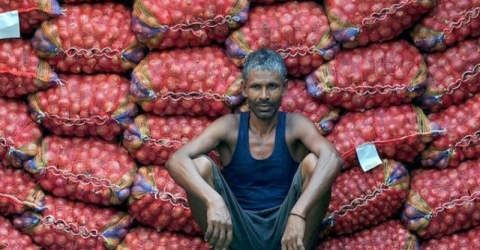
<point>262,127</point>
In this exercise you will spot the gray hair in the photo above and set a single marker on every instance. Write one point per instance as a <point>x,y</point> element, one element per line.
<point>264,59</point>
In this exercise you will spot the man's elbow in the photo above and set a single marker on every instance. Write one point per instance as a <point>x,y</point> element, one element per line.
<point>171,162</point>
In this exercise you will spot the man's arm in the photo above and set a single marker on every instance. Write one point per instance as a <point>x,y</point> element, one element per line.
<point>326,170</point>
<point>183,170</point>
<point>328,166</point>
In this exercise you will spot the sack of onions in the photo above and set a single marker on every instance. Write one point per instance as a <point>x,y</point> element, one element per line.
<point>19,135</point>
<point>74,225</point>
<point>398,132</point>
<point>453,76</point>
<point>21,70</point>
<point>298,31</point>
<point>31,13</point>
<point>159,202</point>
<point>442,202</point>
<point>196,81</point>
<point>148,238</point>
<point>12,238</point>
<point>379,75</point>
<point>364,199</point>
<point>461,240</point>
<point>90,38</point>
<point>461,140</point>
<point>98,105</point>
<point>357,23</point>
<point>450,21</point>
<point>86,169</point>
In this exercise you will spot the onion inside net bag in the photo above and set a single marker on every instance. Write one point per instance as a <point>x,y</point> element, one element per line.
<point>453,76</point>
<point>98,105</point>
<point>357,23</point>
<point>22,71</point>
<point>90,38</point>
<point>450,21</point>
<point>20,136</point>
<point>378,75</point>
<point>74,225</point>
<point>186,23</point>
<point>442,202</point>
<point>363,199</point>
<point>159,202</point>
<point>194,81</point>
<point>398,132</point>
<point>86,169</point>
<point>461,141</point>
<point>31,13</point>
<point>298,31</point>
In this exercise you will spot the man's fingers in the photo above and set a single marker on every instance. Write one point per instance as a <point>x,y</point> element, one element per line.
<point>229,236</point>
<point>299,243</point>
<point>209,232</point>
<point>221,238</point>
<point>214,238</point>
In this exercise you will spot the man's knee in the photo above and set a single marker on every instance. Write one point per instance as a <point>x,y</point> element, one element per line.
<point>205,168</point>
<point>308,165</point>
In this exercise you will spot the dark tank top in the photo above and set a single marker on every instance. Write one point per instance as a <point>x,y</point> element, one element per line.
<point>260,184</point>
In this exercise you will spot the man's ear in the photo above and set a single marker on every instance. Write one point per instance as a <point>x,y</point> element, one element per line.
<point>244,88</point>
<point>285,87</point>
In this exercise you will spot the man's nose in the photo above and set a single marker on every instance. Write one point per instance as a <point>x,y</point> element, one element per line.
<point>264,95</point>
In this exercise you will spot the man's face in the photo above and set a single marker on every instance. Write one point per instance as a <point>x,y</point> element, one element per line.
<point>264,90</point>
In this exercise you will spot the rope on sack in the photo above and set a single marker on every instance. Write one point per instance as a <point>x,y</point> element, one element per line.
<point>161,142</point>
<point>90,53</point>
<point>467,18</point>
<point>468,140</point>
<point>67,121</point>
<point>455,203</point>
<point>360,202</point>
<point>82,178</point>
<point>169,197</point>
<point>71,228</point>
<point>368,90</point>
<point>196,27</point>
<point>176,96</point>
<point>383,13</point>
<point>467,75</point>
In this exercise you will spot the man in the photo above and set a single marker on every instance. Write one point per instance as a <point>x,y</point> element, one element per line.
<point>274,188</point>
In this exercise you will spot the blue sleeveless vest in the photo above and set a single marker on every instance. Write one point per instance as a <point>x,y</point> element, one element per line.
<point>260,184</point>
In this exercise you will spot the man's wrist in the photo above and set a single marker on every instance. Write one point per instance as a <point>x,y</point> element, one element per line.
<point>297,215</point>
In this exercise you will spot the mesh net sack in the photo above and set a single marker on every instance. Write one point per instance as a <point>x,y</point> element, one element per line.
<point>442,202</point>
<point>98,105</point>
<point>12,238</point>
<point>19,135</point>
<point>153,139</point>
<point>461,140</point>
<point>296,99</point>
<point>90,170</point>
<point>467,240</point>
<point>453,76</point>
<point>159,202</point>
<point>74,225</point>
<point>398,132</point>
<point>186,23</point>
<point>196,81</point>
<point>148,238</point>
<point>363,199</point>
<point>18,192</point>
<point>21,70</point>
<point>90,38</point>
<point>448,22</point>
<point>31,12</point>
<point>298,31</point>
<point>391,235</point>
<point>357,23</point>
<point>379,75</point>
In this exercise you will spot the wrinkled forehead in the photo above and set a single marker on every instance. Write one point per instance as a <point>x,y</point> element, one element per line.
<point>264,76</point>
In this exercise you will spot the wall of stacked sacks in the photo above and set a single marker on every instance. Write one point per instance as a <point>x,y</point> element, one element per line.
<point>95,96</point>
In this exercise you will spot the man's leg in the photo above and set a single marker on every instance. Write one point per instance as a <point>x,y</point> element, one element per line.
<point>199,209</point>
<point>315,216</point>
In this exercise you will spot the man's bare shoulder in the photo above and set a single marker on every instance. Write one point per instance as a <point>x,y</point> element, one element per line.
<point>223,125</point>
<point>297,122</point>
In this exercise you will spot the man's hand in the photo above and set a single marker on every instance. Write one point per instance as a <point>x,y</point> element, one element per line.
<point>219,229</point>
<point>293,236</point>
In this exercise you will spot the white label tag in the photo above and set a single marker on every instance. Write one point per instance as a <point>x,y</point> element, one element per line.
<point>9,25</point>
<point>368,156</point>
